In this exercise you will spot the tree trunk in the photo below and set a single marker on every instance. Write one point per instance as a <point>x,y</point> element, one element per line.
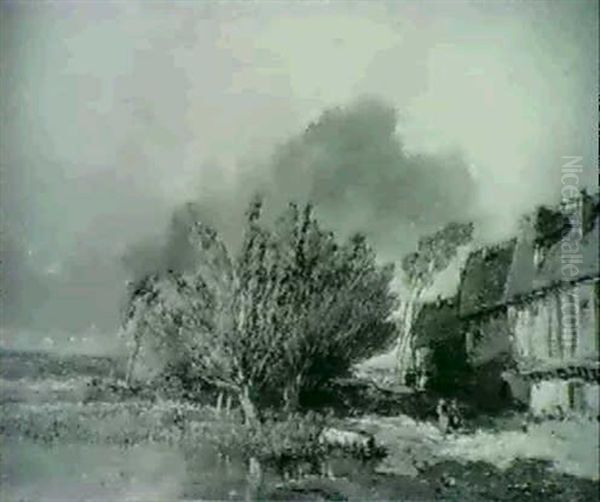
<point>219,404</point>
<point>248,407</point>
<point>291,395</point>
<point>132,359</point>
<point>254,479</point>
<point>405,343</point>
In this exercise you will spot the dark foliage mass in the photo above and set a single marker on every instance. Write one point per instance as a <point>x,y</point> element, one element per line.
<point>292,310</point>
<point>553,224</point>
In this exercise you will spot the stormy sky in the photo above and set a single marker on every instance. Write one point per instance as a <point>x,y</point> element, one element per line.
<point>394,118</point>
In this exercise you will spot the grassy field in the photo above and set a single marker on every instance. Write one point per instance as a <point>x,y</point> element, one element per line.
<point>57,447</point>
<point>38,365</point>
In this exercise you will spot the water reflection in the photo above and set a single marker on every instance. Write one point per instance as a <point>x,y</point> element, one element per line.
<point>98,472</point>
<point>64,472</point>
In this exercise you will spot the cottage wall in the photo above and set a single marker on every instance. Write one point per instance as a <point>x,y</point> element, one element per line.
<point>561,325</point>
<point>591,398</point>
<point>551,326</point>
<point>549,396</point>
<point>589,340</point>
<point>536,328</point>
<point>556,329</point>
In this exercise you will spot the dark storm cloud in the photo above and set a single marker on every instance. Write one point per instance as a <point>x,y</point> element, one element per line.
<point>352,165</point>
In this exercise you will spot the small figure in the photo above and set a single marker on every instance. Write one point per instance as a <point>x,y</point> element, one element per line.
<point>442,413</point>
<point>422,380</point>
<point>454,415</point>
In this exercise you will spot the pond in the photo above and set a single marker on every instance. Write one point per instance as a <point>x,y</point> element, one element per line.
<point>148,472</point>
<point>96,472</point>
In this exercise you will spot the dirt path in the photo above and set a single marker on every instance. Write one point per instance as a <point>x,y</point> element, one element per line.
<point>571,447</point>
<point>410,445</point>
<point>550,462</point>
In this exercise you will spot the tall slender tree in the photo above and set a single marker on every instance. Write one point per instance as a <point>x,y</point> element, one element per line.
<point>434,254</point>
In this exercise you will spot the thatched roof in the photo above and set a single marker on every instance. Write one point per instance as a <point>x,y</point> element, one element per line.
<point>582,253</point>
<point>508,272</point>
<point>485,277</point>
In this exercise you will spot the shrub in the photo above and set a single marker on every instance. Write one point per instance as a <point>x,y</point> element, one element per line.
<point>294,438</point>
<point>294,309</point>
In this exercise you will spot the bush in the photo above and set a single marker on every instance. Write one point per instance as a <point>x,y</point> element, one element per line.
<point>276,440</point>
<point>112,391</point>
<point>292,310</point>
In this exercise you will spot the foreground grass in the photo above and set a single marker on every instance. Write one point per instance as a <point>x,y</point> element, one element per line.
<point>284,440</point>
<point>47,430</point>
<point>123,423</point>
<point>421,464</point>
<point>571,447</point>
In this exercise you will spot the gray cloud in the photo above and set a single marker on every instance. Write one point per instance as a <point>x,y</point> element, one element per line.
<point>353,166</point>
